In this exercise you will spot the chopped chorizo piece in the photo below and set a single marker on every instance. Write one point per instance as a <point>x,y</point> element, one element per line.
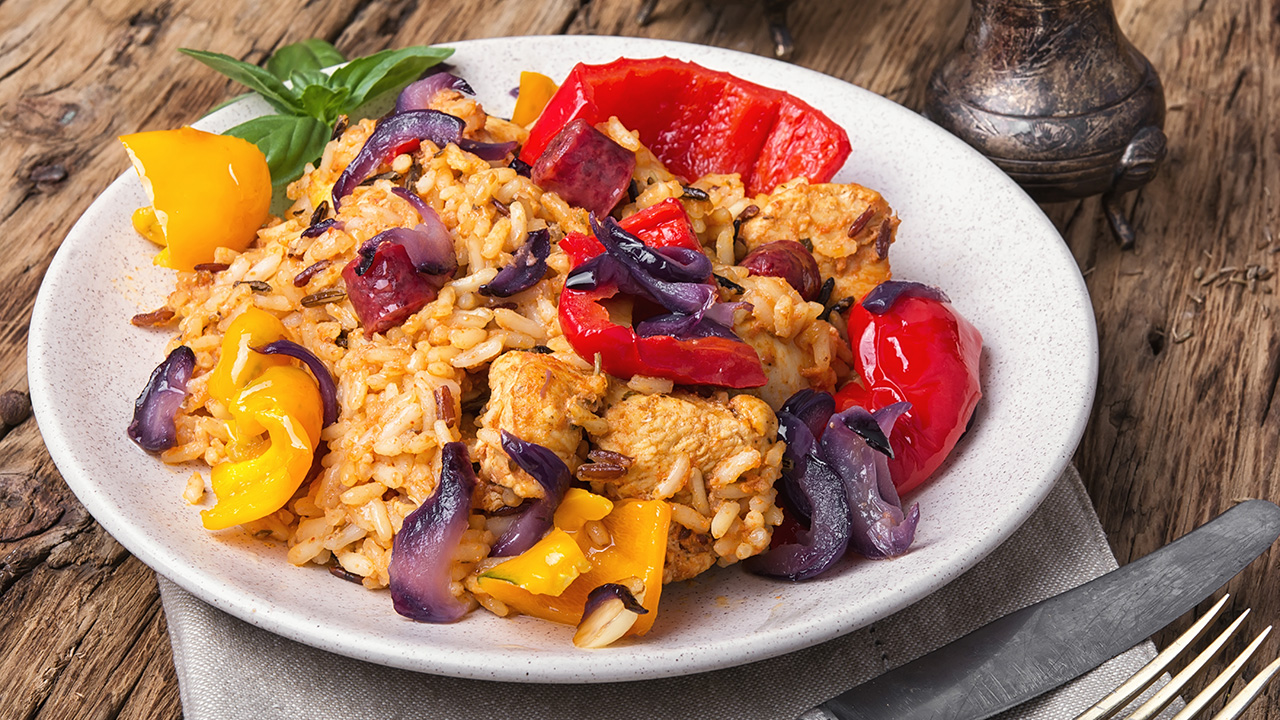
<point>585,168</point>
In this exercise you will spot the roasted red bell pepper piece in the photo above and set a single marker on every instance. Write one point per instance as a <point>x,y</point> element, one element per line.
<point>700,361</point>
<point>917,348</point>
<point>623,353</point>
<point>665,224</point>
<point>699,121</point>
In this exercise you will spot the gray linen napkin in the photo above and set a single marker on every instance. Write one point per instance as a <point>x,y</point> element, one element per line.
<point>230,670</point>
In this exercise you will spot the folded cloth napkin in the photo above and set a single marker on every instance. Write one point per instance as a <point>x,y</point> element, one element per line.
<point>230,670</point>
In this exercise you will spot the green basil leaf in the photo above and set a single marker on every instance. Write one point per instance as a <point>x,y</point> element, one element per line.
<point>323,103</point>
<point>302,79</point>
<point>255,78</point>
<point>369,77</point>
<point>313,54</point>
<point>288,141</point>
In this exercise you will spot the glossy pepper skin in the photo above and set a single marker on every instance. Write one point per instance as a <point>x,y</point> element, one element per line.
<point>238,363</point>
<point>665,224</point>
<point>265,395</point>
<point>699,121</point>
<point>920,350</point>
<point>285,402</point>
<point>587,325</point>
<point>207,191</point>
<point>638,529</point>
<point>536,90</point>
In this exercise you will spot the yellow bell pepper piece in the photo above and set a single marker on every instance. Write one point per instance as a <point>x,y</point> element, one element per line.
<point>638,529</point>
<point>206,190</point>
<point>580,506</point>
<point>536,90</point>
<point>547,568</point>
<point>286,402</point>
<point>238,363</point>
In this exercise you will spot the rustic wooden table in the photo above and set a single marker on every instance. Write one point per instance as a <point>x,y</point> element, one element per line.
<point>1183,424</point>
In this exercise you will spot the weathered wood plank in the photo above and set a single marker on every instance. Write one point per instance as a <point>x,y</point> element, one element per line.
<point>1183,424</point>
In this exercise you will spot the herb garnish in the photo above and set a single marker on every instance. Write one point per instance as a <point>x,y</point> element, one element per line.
<point>311,102</point>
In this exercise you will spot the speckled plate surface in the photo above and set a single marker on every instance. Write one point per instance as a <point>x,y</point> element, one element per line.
<point>965,227</point>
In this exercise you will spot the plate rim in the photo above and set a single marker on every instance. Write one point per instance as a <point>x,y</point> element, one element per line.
<point>245,606</point>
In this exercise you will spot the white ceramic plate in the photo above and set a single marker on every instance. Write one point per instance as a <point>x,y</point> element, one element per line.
<point>965,227</point>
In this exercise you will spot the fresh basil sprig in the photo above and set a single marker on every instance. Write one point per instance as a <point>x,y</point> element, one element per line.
<point>310,101</point>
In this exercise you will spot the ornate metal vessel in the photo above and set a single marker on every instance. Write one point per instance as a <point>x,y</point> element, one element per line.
<point>1054,94</point>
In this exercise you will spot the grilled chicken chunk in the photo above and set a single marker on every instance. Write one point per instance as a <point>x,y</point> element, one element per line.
<point>715,459</point>
<point>825,214</point>
<point>539,399</point>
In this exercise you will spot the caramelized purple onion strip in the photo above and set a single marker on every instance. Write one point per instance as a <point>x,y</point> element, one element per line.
<point>153,427</point>
<point>823,492</point>
<point>880,527</point>
<point>328,390</point>
<point>882,297</point>
<point>528,266</point>
<point>401,132</point>
<point>422,552</point>
<point>417,95</point>
<point>533,522</point>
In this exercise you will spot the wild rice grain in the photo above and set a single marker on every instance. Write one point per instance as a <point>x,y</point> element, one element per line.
<point>445,408</point>
<point>609,456</point>
<point>155,318</point>
<point>323,297</point>
<point>860,223</point>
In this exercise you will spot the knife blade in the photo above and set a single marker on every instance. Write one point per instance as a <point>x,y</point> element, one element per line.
<point>1034,650</point>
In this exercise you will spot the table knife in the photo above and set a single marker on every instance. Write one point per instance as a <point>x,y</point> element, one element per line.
<point>1036,649</point>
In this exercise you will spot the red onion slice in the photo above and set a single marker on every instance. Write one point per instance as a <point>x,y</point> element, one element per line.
<point>801,421</point>
<point>399,133</point>
<point>153,428</point>
<point>534,521</point>
<point>488,151</point>
<point>669,265</point>
<point>811,407</point>
<point>428,246</point>
<point>613,591</point>
<point>429,243</point>
<point>882,297</point>
<point>328,390</point>
<point>418,95</point>
<point>422,552</point>
<point>820,547</point>
<point>415,200</point>
<point>880,527</point>
<point>528,266</point>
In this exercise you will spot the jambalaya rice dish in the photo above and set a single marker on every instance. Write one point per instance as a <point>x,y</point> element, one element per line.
<point>538,418</point>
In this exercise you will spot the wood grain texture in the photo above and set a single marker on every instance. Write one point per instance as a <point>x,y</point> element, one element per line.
<point>1186,420</point>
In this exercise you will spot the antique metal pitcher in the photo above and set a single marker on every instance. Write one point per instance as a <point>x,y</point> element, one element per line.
<point>1055,95</point>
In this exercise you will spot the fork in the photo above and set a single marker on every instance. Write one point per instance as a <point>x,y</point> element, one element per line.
<point>1234,708</point>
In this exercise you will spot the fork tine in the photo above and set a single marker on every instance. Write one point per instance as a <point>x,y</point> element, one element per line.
<point>1213,689</point>
<point>1166,694</point>
<point>1241,702</point>
<point>1129,689</point>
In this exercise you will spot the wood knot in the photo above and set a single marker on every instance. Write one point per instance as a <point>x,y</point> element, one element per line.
<point>15,408</point>
<point>26,506</point>
<point>47,174</point>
